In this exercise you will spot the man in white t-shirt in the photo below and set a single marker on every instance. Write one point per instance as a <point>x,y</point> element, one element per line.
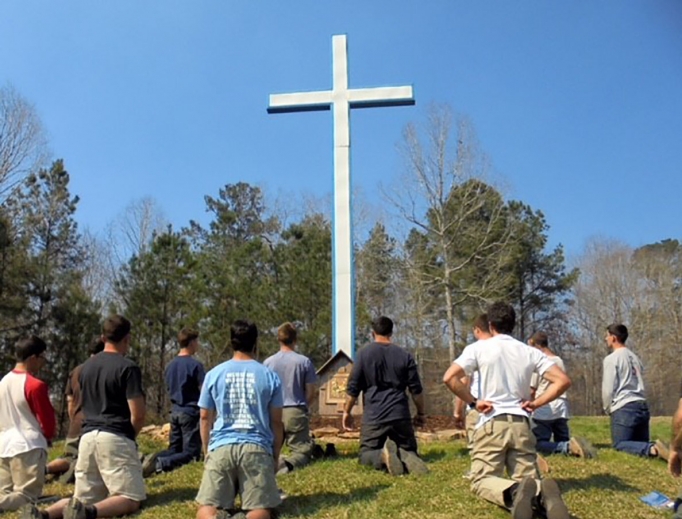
<point>550,422</point>
<point>466,417</point>
<point>503,438</point>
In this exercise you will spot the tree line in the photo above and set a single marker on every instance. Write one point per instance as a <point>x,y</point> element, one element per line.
<point>449,243</point>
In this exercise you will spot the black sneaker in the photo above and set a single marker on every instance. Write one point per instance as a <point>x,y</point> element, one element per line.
<point>413,463</point>
<point>551,500</point>
<point>389,456</point>
<point>318,452</point>
<point>330,451</point>
<point>522,506</point>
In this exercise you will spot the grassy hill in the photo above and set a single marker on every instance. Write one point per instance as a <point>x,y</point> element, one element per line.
<point>605,488</point>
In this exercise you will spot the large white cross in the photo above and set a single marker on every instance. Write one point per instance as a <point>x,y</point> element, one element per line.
<point>342,99</point>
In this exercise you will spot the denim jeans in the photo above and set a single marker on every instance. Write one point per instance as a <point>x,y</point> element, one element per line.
<point>630,429</point>
<point>552,436</point>
<point>185,442</point>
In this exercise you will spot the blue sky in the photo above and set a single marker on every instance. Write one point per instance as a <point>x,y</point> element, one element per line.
<point>579,104</point>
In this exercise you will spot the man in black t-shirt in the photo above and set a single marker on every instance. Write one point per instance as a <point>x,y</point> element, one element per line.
<point>109,479</point>
<point>65,467</point>
<point>383,371</point>
<point>184,377</point>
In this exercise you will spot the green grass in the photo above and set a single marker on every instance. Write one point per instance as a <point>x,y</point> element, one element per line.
<point>606,488</point>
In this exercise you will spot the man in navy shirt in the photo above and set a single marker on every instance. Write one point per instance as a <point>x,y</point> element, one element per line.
<point>383,371</point>
<point>184,377</point>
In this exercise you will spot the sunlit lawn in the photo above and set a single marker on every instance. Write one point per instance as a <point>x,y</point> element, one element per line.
<point>608,487</point>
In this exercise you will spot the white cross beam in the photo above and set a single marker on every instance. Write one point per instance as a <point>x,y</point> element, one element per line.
<point>342,99</point>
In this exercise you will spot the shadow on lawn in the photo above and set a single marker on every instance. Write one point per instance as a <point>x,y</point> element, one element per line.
<point>302,506</point>
<point>171,495</point>
<point>602,481</point>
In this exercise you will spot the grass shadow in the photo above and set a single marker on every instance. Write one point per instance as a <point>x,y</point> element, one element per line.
<point>171,495</point>
<point>306,505</point>
<point>603,481</point>
<point>435,455</point>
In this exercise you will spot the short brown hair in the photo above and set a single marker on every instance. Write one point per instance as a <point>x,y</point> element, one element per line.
<point>540,339</point>
<point>481,322</point>
<point>186,336</point>
<point>286,334</point>
<point>115,328</point>
<point>619,331</point>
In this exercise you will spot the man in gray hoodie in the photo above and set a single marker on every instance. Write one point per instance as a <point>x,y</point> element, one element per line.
<point>624,398</point>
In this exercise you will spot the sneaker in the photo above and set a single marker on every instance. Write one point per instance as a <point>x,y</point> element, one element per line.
<point>543,466</point>
<point>282,494</point>
<point>412,462</point>
<point>389,457</point>
<point>318,452</point>
<point>522,506</point>
<point>74,509</point>
<point>550,497</point>
<point>662,450</point>
<point>283,467</point>
<point>29,512</point>
<point>580,447</point>
<point>149,465</point>
<point>69,477</point>
<point>330,451</point>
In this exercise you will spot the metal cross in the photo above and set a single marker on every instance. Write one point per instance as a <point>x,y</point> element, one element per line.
<point>342,99</point>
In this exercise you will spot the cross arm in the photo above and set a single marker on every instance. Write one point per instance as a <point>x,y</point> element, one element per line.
<point>300,102</point>
<point>378,97</point>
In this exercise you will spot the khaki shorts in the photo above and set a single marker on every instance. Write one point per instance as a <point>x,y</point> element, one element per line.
<point>247,469</point>
<point>108,465</point>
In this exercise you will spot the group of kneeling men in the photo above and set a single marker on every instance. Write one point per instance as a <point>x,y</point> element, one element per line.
<point>241,413</point>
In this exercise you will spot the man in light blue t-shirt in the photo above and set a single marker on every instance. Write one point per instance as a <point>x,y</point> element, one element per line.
<point>298,377</point>
<point>241,432</point>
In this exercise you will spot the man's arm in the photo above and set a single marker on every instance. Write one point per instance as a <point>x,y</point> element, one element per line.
<point>460,405</point>
<point>70,407</point>
<point>675,458</point>
<point>206,419</point>
<point>277,427</point>
<point>347,419</point>
<point>310,394</point>
<point>453,380</point>
<point>138,408</point>
<point>558,384</point>
<point>608,382</point>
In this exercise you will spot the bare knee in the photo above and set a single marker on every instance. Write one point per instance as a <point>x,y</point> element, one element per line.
<point>260,513</point>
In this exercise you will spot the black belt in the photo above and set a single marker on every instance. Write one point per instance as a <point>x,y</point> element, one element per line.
<point>510,418</point>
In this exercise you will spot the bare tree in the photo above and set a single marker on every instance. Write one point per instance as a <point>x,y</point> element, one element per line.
<point>444,197</point>
<point>23,145</point>
<point>129,234</point>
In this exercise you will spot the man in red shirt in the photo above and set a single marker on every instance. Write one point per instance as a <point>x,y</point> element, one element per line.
<point>27,424</point>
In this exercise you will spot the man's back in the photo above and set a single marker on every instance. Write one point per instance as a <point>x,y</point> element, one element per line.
<point>108,380</point>
<point>294,371</point>
<point>622,379</point>
<point>506,368</point>
<point>20,430</point>
<point>184,377</point>
<point>383,372</point>
<point>241,393</point>
<point>557,408</point>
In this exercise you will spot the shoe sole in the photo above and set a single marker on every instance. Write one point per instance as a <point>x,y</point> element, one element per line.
<point>662,450</point>
<point>584,447</point>
<point>413,463</point>
<point>390,458</point>
<point>553,502</point>
<point>522,508</point>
